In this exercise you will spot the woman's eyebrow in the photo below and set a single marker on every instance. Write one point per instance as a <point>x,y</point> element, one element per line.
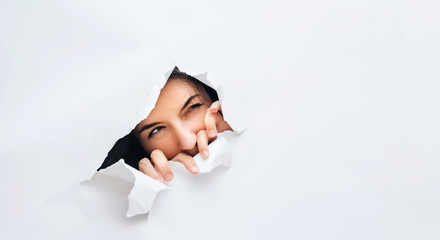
<point>148,126</point>
<point>188,101</point>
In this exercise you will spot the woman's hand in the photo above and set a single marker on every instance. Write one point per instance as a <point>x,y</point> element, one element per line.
<point>163,167</point>
<point>214,123</point>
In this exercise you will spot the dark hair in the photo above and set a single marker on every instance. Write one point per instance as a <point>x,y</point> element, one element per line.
<point>129,148</point>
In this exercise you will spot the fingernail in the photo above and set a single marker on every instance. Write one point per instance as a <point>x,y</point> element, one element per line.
<point>159,179</point>
<point>211,133</point>
<point>168,177</point>
<point>205,154</point>
<point>195,169</point>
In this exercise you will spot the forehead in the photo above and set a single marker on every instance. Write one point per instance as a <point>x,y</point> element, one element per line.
<point>171,99</point>
<point>174,91</point>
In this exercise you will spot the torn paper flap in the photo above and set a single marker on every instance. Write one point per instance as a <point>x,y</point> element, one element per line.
<point>144,188</point>
<point>220,153</point>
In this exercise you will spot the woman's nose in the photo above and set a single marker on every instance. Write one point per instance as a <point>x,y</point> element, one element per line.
<point>186,138</point>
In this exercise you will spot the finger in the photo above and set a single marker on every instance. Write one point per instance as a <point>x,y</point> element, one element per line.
<point>146,167</point>
<point>187,161</point>
<point>215,107</point>
<point>162,164</point>
<point>202,143</point>
<point>210,122</point>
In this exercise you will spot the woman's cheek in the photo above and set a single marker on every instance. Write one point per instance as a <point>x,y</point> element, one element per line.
<point>197,121</point>
<point>168,147</point>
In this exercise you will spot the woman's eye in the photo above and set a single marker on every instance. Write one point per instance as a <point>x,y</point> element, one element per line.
<point>194,106</point>
<point>154,131</point>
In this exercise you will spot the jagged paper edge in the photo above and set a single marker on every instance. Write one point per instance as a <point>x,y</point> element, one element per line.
<point>142,185</point>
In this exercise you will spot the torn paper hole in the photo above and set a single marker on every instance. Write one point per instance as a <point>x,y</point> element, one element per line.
<point>143,189</point>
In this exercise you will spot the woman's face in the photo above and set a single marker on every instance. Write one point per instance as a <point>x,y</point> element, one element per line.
<point>178,116</point>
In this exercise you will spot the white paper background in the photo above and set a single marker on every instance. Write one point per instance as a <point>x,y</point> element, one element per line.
<point>340,99</point>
